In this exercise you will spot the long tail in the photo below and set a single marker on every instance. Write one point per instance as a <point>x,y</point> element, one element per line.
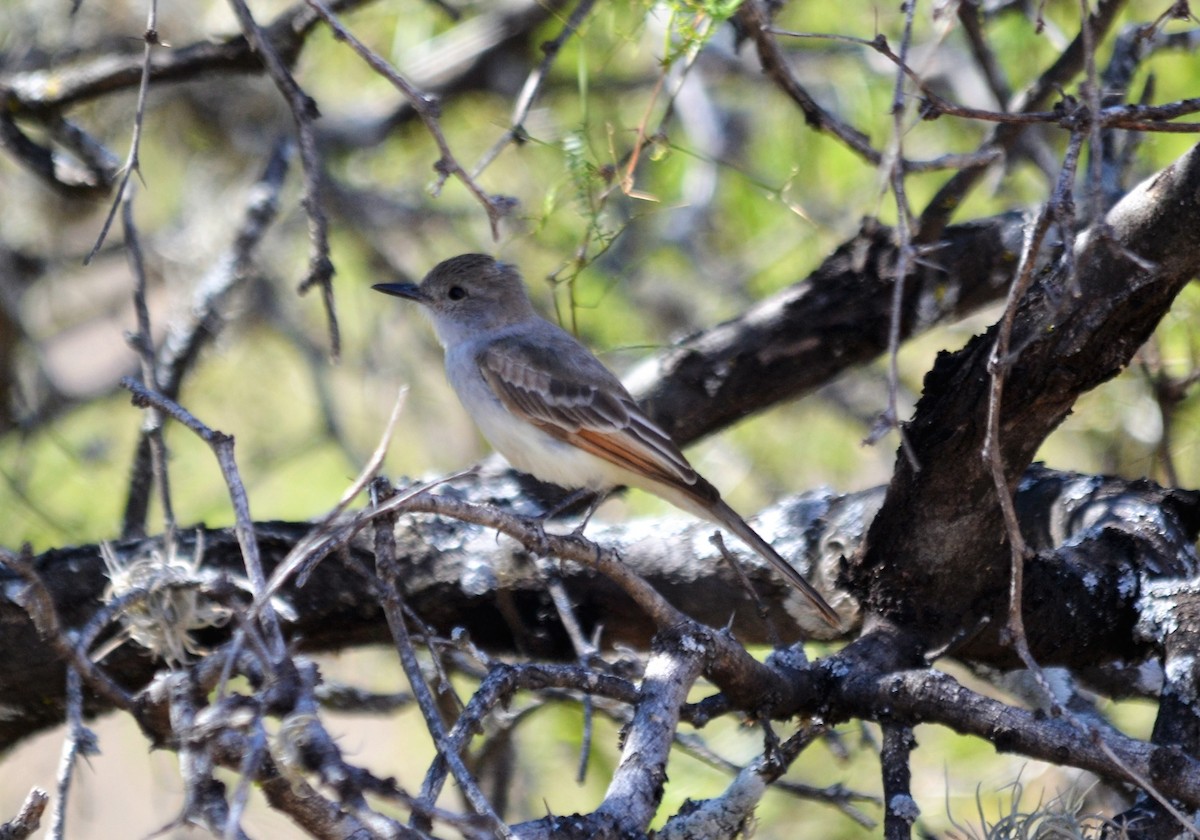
<point>729,518</point>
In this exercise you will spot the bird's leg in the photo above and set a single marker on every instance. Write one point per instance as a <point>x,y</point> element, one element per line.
<point>601,497</point>
<point>538,521</point>
<point>572,498</point>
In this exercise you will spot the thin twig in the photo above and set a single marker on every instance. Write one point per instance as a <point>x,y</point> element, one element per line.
<point>428,109</point>
<point>205,317</point>
<point>222,446</point>
<point>764,615</point>
<point>754,17</point>
<point>905,251</point>
<point>80,742</point>
<point>389,573</point>
<point>302,553</point>
<point>1091,95</point>
<point>971,18</point>
<point>999,363</point>
<point>497,688</point>
<point>152,426</point>
<point>132,161</point>
<point>1004,137</point>
<point>836,795</point>
<point>533,86</point>
<point>247,773</point>
<point>304,112</point>
<point>203,800</point>
<point>585,652</point>
<point>729,665</point>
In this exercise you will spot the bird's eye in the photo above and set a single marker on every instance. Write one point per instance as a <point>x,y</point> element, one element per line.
<point>457,293</point>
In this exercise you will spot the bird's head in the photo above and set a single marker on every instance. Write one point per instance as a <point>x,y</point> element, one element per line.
<point>466,295</point>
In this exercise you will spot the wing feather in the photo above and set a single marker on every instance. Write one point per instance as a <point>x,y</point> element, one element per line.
<point>582,403</point>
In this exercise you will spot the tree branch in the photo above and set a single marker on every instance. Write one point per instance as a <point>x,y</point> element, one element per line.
<point>457,575</point>
<point>1129,270</point>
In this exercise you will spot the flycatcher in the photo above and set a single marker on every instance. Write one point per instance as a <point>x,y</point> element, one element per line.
<point>552,408</point>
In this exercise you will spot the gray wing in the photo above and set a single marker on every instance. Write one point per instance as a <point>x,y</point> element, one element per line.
<point>556,384</point>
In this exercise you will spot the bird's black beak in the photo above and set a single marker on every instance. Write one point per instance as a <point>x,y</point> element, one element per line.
<point>405,290</point>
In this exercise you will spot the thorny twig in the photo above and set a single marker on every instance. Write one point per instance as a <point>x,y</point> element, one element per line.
<point>498,686</point>
<point>1000,362</point>
<point>1058,209</point>
<point>152,426</point>
<point>80,742</point>
<point>132,161</point>
<point>905,253</point>
<point>836,795</point>
<point>427,108</point>
<point>1004,137</point>
<point>222,446</point>
<point>533,86</point>
<point>585,652</point>
<point>385,559</point>
<point>754,17</point>
<point>718,542</point>
<point>304,112</point>
<point>204,800</point>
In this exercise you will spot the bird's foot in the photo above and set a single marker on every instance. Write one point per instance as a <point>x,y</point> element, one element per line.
<point>539,542</point>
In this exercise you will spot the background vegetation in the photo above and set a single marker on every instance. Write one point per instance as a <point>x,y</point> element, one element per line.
<point>661,186</point>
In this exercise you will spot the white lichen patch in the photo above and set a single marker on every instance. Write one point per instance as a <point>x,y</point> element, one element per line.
<point>1181,678</point>
<point>168,600</point>
<point>904,807</point>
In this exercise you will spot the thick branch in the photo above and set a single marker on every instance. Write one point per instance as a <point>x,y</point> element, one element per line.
<point>46,92</point>
<point>838,317</point>
<point>636,789</point>
<point>459,575</point>
<point>936,544</point>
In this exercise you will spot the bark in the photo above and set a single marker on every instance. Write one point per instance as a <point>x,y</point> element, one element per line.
<point>462,575</point>
<point>798,340</point>
<point>937,546</point>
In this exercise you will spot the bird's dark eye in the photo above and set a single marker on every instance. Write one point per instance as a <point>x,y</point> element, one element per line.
<point>457,293</point>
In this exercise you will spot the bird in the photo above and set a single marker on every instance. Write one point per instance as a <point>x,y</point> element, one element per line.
<point>552,409</point>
